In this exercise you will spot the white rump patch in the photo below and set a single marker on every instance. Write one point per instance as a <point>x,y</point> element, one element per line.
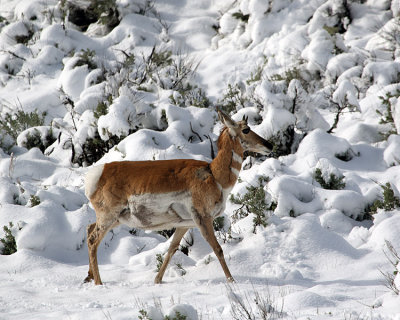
<point>92,179</point>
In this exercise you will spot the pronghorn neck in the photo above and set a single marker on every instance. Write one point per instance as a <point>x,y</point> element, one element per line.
<point>226,166</point>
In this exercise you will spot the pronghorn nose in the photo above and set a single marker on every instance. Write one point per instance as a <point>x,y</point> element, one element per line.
<point>268,145</point>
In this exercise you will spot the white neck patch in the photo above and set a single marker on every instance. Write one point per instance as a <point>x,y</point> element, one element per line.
<point>236,157</point>
<point>235,172</point>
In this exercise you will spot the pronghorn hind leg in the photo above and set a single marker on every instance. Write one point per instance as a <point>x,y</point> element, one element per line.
<point>96,233</point>
<point>205,225</point>
<point>90,229</point>
<point>176,239</point>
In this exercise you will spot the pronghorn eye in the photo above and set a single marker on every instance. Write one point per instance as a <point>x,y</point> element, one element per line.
<point>246,130</point>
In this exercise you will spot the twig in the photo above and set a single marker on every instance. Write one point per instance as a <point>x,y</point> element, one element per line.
<point>191,129</point>
<point>124,52</point>
<point>12,165</point>
<point>13,54</point>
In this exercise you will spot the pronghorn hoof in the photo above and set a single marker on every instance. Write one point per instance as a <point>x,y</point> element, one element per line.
<point>157,281</point>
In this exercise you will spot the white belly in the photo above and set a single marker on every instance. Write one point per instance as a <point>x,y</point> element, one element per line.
<point>159,211</point>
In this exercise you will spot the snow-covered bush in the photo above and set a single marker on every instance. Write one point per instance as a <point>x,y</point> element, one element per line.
<point>176,312</point>
<point>106,107</point>
<point>37,137</point>
<point>343,99</point>
<point>389,114</point>
<point>389,200</point>
<point>12,125</point>
<point>254,202</point>
<point>332,183</point>
<point>86,14</point>
<point>328,176</point>
<point>280,105</point>
<point>234,99</point>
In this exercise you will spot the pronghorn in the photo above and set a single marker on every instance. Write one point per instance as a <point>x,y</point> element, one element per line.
<point>165,194</point>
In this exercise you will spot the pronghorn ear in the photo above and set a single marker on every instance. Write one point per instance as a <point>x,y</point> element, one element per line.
<point>226,120</point>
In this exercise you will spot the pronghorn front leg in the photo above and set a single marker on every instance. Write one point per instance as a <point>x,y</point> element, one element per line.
<point>176,240</point>
<point>205,224</point>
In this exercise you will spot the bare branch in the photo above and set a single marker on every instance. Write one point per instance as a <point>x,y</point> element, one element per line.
<point>194,132</point>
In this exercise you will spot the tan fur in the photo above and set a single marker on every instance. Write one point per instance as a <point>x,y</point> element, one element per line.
<point>195,193</point>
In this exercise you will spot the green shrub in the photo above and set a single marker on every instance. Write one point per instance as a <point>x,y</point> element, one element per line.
<point>172,72</point>
<point>159,260</point>
<point>219,223</point>
<point>288,76</point>
<point>106,12</point>
<point>34,139</point>
<point>181,269</point>
<point>161,58</point>
<point>346,156</point>
<point>253,201</point>
<point>389,202</point>
<point>284,141</point>
<point>256,75</point>
<point>164,69</point>
<point>386,116</point>
<point>102,107</point>
<point>333,183</point>
<point>334,33</point>
<point>86,57</point>
<point>143,315</point>
<point>93,149</point>
<point>34,201</point>
<point>331,30</point>
<point>240,16</point>
<point>14,123</point>
<point>24,38</point>
<point>9,243</point>
<point>150,67</point>
<point>167,233</point>
<point>82,15</point>
<point>232,98</point>
<point>178,316</point>
<point>191,96</point>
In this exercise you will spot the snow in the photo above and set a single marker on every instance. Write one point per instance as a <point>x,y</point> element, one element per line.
<point>294,62</point>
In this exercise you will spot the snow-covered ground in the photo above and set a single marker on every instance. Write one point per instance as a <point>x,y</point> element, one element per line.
<point>293,67</point>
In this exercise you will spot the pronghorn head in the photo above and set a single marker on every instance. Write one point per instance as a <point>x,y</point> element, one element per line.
<point>249,140</point>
